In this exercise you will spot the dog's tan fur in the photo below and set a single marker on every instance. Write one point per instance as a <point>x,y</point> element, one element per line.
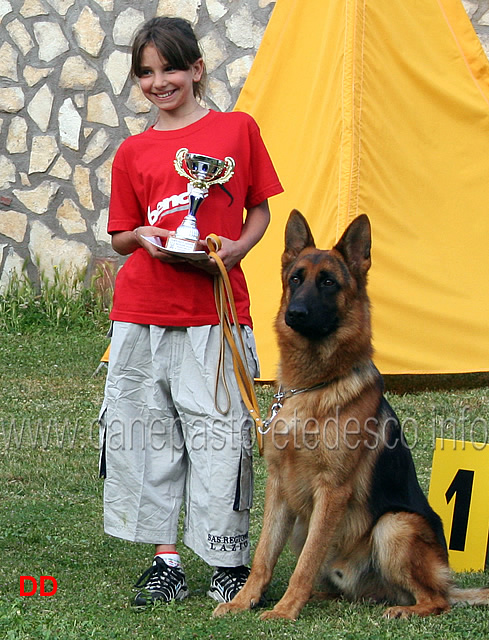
<point>328,452</point>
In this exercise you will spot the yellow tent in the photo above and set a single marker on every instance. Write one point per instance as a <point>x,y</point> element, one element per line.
<point>382,107</point>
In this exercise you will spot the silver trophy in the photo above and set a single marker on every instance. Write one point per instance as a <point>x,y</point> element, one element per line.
<point>202,172</point>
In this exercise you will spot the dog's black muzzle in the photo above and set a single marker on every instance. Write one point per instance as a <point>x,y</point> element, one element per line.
<point>310,322</point>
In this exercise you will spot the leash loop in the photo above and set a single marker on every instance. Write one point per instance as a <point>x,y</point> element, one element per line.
<point>228,319</point>
<point>213,243</point>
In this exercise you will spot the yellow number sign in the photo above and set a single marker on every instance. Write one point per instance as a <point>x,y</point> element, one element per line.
<point>459,493</point>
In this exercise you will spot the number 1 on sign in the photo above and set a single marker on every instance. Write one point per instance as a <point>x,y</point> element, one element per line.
<point>458,493</point>
<point>461,488</point>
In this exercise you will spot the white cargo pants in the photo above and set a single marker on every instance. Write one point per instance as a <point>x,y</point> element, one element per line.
<point>163,440</point>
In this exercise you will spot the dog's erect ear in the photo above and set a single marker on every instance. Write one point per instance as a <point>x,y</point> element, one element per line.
<point>298,236</point>
<point>354,245</point>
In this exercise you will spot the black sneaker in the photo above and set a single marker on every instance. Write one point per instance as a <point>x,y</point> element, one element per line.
<point>160,583</point>
<point>227,581</point>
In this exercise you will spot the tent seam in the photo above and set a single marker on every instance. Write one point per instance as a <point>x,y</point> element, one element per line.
<point>462,53</point>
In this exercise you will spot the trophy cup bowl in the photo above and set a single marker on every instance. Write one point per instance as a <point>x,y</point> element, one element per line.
<point>202,172</point>
<point>204,168</point>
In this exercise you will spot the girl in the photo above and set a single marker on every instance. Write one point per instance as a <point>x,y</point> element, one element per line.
<point>163,437</point>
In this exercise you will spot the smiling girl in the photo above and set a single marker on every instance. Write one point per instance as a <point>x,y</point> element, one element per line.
<point>164,440</point>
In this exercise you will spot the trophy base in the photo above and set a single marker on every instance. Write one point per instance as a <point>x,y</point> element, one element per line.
<point>181,244</point>
<point>193,256</point>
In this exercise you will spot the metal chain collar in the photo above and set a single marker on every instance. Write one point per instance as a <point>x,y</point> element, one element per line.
<point>280,397</point>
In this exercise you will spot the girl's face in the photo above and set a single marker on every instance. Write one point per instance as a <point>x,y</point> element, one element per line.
<point>171,90</point>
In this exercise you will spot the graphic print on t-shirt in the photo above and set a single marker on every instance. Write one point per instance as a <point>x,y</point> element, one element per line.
<point>171,204</point>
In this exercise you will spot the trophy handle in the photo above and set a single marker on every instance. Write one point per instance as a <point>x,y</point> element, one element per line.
<point>179,163</point>
<point>228,171</point>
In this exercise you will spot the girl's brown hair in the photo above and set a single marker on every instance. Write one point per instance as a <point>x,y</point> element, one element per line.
<point>174,39</point>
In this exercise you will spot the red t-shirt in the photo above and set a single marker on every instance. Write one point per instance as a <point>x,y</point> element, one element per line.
<point>146,189</point>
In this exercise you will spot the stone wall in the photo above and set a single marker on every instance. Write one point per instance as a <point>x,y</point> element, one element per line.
<point>66,103</point>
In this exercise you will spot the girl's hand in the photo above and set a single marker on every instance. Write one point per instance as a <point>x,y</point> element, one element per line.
<point>153,251</point>
<point>231,252</point>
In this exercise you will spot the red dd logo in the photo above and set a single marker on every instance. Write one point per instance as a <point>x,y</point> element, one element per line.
<point>30,588</point>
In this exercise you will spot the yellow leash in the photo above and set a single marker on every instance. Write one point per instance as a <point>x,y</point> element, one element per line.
<point>226,310</point>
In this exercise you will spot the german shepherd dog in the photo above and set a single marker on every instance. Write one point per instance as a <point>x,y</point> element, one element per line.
<point>341,480</point>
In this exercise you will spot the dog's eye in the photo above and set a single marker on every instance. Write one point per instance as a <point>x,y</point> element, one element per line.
<point>296,278</point>
<point>326,281</point>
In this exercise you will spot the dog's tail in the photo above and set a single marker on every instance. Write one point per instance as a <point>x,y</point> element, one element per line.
<point>469,596</point>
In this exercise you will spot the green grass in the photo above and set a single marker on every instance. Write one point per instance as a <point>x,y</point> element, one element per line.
<point>66,301</point>
<point>51,515</point>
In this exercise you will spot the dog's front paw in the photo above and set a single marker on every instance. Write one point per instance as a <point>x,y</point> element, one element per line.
<point>227,607</point>
<point>221,609</point>
<point>277,614</point>
<point>398,612</point>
